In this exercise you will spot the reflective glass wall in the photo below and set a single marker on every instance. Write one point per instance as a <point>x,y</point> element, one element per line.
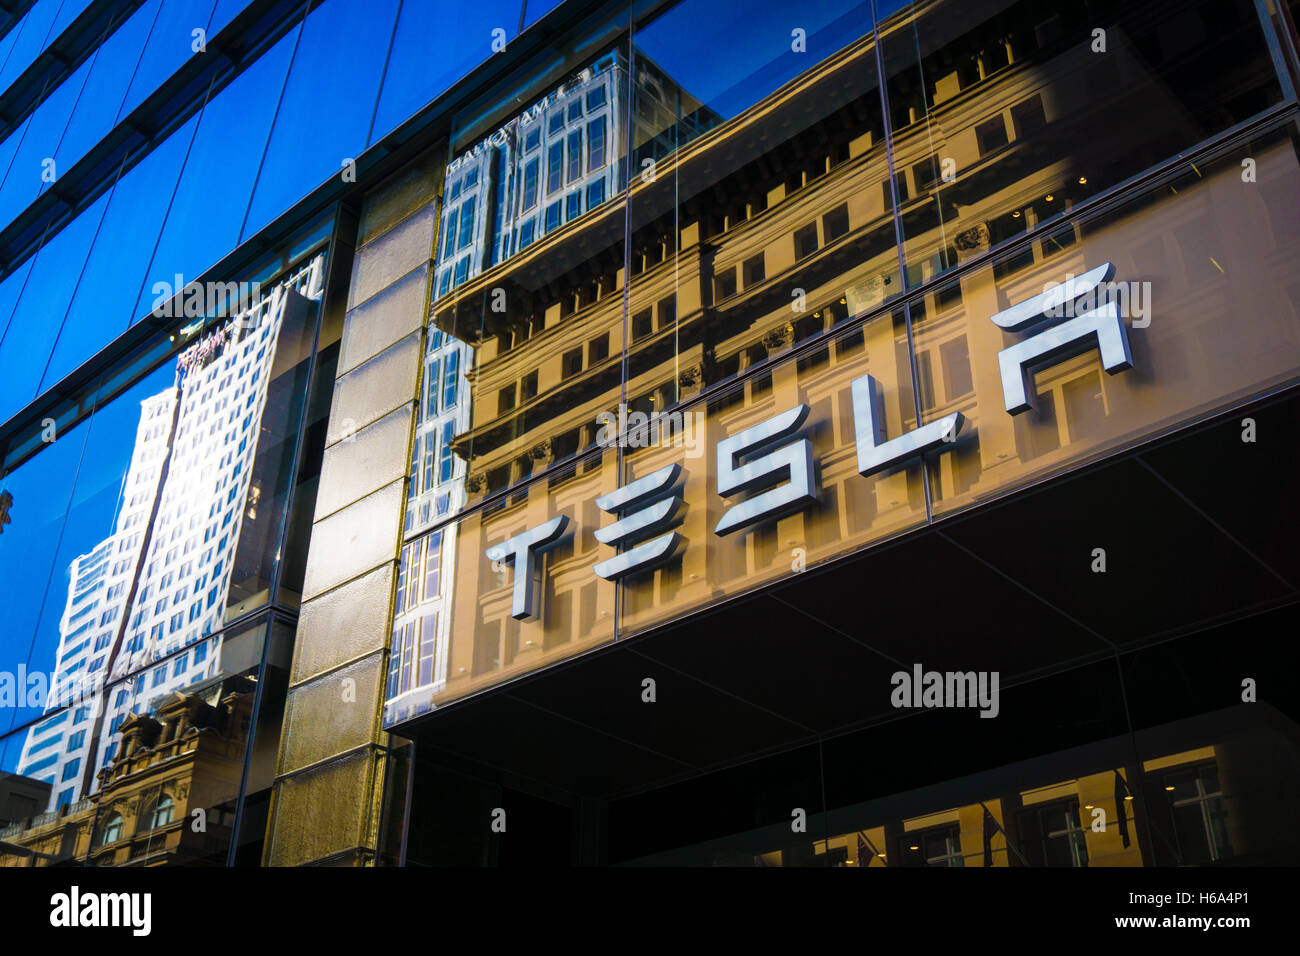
<point>857,270</point>
<point>152,534</point>
<point>221,160</point>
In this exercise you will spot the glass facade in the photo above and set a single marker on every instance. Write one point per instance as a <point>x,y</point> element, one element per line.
<point>363,363</point>
<point>787,230</point>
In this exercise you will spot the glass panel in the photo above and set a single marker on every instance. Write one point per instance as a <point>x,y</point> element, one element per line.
<point>170,45</point>
<point>516,295</point>
<point>1004,114</point>
<point>761,215</point>
<point>219,174</point>
<point>32,37</point>
<point>109,286</point>
<point>68,11</point>
<point>39,315</point>
<point>1194,262</point>
<point>110,73</point>
<point>271,473</point>
<point>415,74</point>
<point>30,171</point>
<point>223,13</point>
<point>463,622</point>
<point>10,289</point>
<point>175,526</point>
<point>534,10</point>
<point>849,512</point>
<point>38,497</point>
<point>325,114</point>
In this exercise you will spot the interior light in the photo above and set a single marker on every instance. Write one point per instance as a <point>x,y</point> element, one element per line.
<point>1016,214</point>
<point>1083,180</point>
<point>1049,197</point>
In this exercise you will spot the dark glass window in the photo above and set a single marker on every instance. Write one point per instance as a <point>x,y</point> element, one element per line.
<point>530,185</point>
<point>555,168</point>
<point>596,97</point>
<point>467,222</point>
<point>575,155</point>
<point>573,205</point>
<point>595,144</point>
<point>805,241</point>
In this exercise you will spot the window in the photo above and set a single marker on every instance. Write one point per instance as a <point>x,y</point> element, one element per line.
<point>462,270</point>
<point>428,636</point>
<point>595,194</point>
<point>805,241</point>
<point>1200,818</point>
<point>937,846</point>
<point>70,769</point>
<point>755,270</point>
<point>595,144</point>
<point>532,139</point>
<point>575,110</point>
<point>445,464</point>
<point>505,399</point>
<point>526,234</point>
<point>596,98</point>
<point>1050,834</point>
<point>641,325</point>
<point>451,368</point>
<point>556,122</point>
<point>573,206</point>
<point>1028,118</point>
<point>991,135</point>
<point>528,387</point>
<point>162,813</point>
<point>836,223</point>
<point>552,216</point>
<point>449,234</point>
<point>554,168</point>
<point>466,223</point>
<point>724,284</point>
<point>76,741</point>
<point>431,389</point>
<point>530,186</point>
<point>575,155</point>
<point>571,363</point>
<point>430,456</point>
<point>112,830</point>
<point>598,349</point>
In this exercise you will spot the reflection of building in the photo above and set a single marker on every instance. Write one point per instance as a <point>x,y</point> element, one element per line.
<point>759,260</point>
<point>541,170</point>
<point>186,495</point>
<point>167,798</point>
